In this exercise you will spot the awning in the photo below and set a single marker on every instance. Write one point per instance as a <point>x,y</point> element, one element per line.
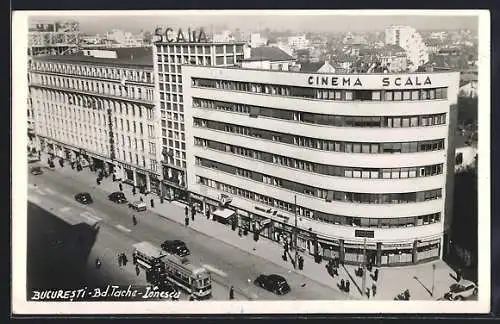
<point>224,213</point>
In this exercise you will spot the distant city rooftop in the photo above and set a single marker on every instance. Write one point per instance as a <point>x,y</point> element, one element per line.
<point>268,53</point>
<point>126,56</point>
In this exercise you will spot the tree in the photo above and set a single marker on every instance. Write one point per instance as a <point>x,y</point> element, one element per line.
<point>147,37</point>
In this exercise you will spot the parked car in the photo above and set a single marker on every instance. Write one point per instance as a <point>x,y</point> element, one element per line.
<point>138,205</point>
<point>176,247</point>
<point>117,197</point>
<point>273,283</point>
<point>36,170</point>
<point>464,289</point>
<point>84,198</point>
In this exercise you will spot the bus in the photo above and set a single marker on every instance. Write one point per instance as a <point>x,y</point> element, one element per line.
<point>194,280</point>
<point>147,255</point>
<point>179,271</point>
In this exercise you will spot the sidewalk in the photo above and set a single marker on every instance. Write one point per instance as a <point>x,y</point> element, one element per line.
<point>392,281</point>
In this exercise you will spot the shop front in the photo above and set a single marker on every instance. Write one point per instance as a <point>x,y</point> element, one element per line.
<point>354,253</point>
<point>328,249</point>
<point>155,184</point>
<point>141,181</point>
<point>427,250</point>
<point>396,254</point>
<point>174,184</point>
<point>129,176</point>
<point>198,202</point>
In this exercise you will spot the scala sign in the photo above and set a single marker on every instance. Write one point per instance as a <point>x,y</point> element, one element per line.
<point>168,35</point>
<point>397,81</point>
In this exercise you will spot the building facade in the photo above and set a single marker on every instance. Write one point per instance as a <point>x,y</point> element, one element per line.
<point>411,41</point>
<point>168,57</point>
<point>340,158</point>
<point>97,108</point>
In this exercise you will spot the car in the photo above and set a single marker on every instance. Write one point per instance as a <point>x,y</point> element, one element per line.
<point>273,283</point>
<point>117,197</point>
<point>176,247</point>
<point>84,198</point>
<point>138,205</point>
<point>36,170</point>
<point>464,289</point>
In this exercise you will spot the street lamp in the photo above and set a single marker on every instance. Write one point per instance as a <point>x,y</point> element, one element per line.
<point>296,237</point>
<point>433,278</point>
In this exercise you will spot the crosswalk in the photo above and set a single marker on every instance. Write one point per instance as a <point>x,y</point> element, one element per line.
<point>70,214</point>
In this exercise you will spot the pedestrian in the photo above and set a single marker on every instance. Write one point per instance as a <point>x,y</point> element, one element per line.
<point>120,186</point>
<point>152,203</point>
<point>407,294</point>
<point>231,293</point>
<point>137,270</point>
<point>342,284</point>
<point>119,259</point>
<point>134,191</point>
<point>208,213</point>
<point>141,199</point>
<point>285,257</point>
<point>193,212</point>
<point>368,292</point>
<point>459,274</point>
<point>374,289</point>
<point>125,260</point>
<point>186,211</point>
<point>186,220</point>
<point>97,263</point>
<point>347,286</point>
<point>286,247</point>
<point>134,220</point>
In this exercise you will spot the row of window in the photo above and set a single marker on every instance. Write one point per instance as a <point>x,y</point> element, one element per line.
<point>315,93</point>
<point>364,198</point>
<point>122,107</point>
<point>378,222</point>
<point>199,49</point>
<point>198,60</point>
<point>324,145</point>
<point>86,142</point>
<point>321,119</point>
<point>329,218</point>
<point>99,87</point>
<point>101,72</point>
<point>331,170</point>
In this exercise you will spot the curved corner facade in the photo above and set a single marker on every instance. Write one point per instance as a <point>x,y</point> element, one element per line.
<point>353,162</point>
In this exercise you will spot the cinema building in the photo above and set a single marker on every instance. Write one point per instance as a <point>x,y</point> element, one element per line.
<point>351,161</point>
<point>171,50</point>
<point>97,107</point>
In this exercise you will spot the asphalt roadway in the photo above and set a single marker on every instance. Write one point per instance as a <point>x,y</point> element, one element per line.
<point>54,191</point>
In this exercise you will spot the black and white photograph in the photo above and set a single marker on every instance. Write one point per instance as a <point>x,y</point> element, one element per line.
<point>202,162</point>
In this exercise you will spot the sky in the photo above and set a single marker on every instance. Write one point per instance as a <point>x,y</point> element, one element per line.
<point>305,22</point>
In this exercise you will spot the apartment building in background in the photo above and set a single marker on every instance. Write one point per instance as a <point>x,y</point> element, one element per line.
<point>342,158</point>
<point>411,41</point>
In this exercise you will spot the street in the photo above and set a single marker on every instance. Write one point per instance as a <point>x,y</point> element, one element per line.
<point>229,265</point>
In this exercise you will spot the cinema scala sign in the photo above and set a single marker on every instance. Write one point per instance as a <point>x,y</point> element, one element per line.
<point>360,81</point>
<point>169,35</point>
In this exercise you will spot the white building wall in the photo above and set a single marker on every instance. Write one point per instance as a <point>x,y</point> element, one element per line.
<point>364,108</point>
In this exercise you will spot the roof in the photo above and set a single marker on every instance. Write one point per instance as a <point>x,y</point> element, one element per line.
<point>268,53</point>
<point>133,56</point>
<point>311,66</point>
<point>149,249</point>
